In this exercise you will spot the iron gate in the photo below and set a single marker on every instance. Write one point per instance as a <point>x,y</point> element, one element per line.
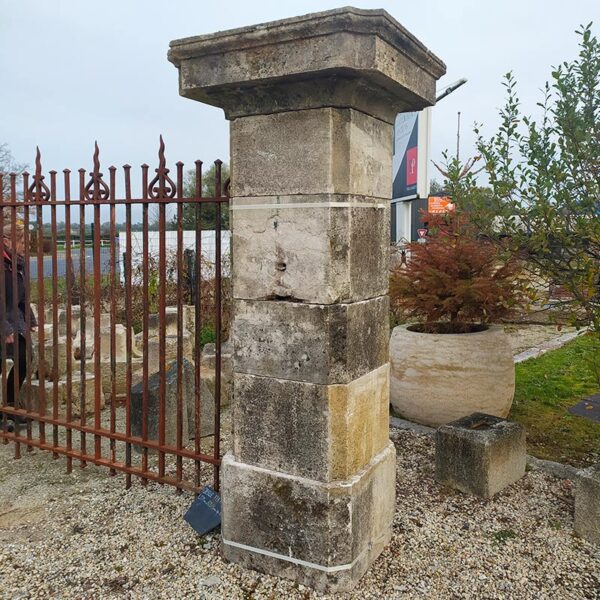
<point>116,375</point>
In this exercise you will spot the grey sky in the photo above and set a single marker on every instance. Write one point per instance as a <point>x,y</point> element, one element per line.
<point>74,71</point>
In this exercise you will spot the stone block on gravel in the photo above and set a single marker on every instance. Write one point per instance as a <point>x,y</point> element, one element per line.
<point>153,406</point>
<point>587,504</point>
<point>171,405</point>
<point>321,534</point>
<point>480,454</point>
<point>31,398</point>
<point>88,393</point>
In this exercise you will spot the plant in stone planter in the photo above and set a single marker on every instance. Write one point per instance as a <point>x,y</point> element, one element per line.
<point>454,361</point>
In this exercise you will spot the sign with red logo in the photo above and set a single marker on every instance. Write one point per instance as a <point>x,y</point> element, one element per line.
<point>411,166</point>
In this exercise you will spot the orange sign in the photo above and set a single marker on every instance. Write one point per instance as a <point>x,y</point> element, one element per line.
<point>439,204</point>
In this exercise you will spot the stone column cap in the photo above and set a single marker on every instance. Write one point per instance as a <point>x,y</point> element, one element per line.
<point>272,67</point>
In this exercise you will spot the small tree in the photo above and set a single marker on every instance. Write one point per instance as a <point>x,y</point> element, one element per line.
<point>456,281</point>
<point>8,165</point>
<point>545,178</point>
<point>207,211</point>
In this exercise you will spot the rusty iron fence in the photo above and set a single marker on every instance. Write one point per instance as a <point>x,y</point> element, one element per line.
<point>106,361</point>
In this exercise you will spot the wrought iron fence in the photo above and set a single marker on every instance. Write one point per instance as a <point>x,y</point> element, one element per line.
<point>107,367</point>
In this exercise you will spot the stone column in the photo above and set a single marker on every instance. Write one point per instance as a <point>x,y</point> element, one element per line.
<point>308,490</point>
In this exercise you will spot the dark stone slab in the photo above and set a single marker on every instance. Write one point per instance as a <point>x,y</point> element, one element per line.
<point>588,408</point>
<point>188,405</point>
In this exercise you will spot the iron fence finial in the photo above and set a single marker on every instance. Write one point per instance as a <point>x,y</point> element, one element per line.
<point>38,190</point>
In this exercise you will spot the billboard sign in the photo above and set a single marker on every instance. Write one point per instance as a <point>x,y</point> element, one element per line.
<point>406,137</point>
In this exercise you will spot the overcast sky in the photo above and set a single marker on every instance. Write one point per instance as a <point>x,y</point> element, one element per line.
<point>73,71</point>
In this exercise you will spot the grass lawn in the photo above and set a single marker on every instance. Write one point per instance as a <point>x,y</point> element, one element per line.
<point>545,388</point>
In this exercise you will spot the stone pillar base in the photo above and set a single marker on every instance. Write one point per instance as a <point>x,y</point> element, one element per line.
<point>323,535</point>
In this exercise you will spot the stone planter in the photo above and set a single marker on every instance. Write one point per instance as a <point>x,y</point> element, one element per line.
<point>439,378</point>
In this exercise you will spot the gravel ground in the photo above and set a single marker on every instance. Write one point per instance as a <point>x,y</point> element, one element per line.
<point>84,536</point>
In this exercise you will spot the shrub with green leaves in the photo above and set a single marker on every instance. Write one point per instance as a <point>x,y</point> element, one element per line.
<point>545,179</point>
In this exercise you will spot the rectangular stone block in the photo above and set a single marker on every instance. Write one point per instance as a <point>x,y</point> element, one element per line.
<point>320,534</point>
<point>335,151</point>
<point>480,454</point>
<point>30,395</point>
<point>89,393</point>
<point>188,321</point>
<point>120,375</point>
<point>32,398</point>
<point>327,344</point>
<point>171,343</point>
<point>323,432</point>
<point>50,352</point>
<point>587,504</point>
<point>322,249</point>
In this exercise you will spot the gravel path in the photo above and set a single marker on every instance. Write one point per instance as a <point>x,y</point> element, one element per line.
<point>85,536</point>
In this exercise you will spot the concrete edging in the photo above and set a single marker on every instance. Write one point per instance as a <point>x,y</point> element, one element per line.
<point>553,344</point>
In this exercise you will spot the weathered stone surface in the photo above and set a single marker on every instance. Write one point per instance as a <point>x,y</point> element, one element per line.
<point>88,341</point>
<point>333,343</point>
<point>587,504</point>
<point>208,375</point>
<point>171,341</point>
<point>91,396</point>
<point>170,405</point>
<point>51,353</point>
<point>187,320</point>
<point>328,432</point>
<point>208,365</point>
<point>320,254</point>
<point>208,357</point>
<point>30,395</point>
<point>439,378</point>
<point>480,454</point>
<point>336,151</point>
<point>188,388</point>
<point>120,375</point>
<point>338,527</point>
<point>62,320</point>
<point>343,57</point>
<point>206,405</point>
<point>120,333</point>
